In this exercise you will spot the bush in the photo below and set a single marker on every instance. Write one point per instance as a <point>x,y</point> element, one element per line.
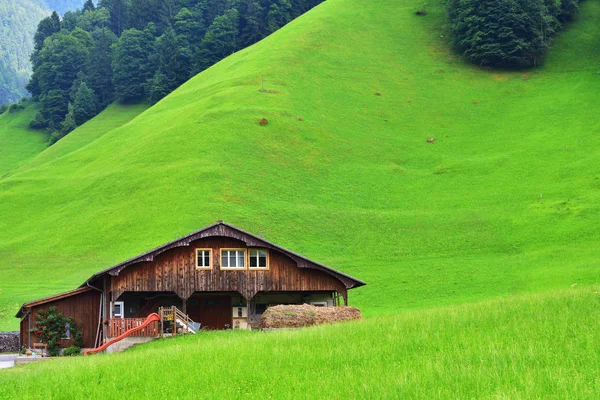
<point>38,122</point>
<point>72,351</point>
<point>507,33</point>
<point>50,328</point>
<point>3,108</point>
<point>13,108</point>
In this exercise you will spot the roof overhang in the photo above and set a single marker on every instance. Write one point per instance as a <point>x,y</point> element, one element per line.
<point>226,230</point>
<point>25,307</point>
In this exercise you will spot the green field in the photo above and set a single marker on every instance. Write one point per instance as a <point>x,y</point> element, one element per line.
<point>505,202</point>
<point>538,346</point>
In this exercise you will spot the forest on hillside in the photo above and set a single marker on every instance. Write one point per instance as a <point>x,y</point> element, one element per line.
<point>18,22</point>
<point>507,33</point>
<point>138,50</point>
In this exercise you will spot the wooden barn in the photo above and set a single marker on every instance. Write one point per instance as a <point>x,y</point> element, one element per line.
<point>220,276</point>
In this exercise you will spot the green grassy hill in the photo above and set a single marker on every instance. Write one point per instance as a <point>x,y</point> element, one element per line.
<point>18,143</point>
<point>506,201</point>
<point>503,202</point>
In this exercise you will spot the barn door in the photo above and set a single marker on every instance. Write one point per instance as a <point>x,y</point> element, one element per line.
<point>213,312</point>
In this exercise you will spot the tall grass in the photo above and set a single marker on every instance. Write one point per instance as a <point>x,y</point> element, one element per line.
<point>534,346</point>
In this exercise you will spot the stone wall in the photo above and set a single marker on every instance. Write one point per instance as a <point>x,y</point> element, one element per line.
<point>9,342</point>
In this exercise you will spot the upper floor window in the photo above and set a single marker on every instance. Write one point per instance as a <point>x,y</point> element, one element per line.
<point>203,258</point>
<point>259,258</point>
<point>233,258</point>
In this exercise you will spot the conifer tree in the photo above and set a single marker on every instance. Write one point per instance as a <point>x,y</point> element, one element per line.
<point>69,124</point>
<point>118,10</point>
<point>131,64</point>
<point>220,40</point>
<point>158,87</point>
<point>46,28</point>
<point>84,104</point>
<point>100,70</point>
<point>88,6</point>
<point>251,25</point>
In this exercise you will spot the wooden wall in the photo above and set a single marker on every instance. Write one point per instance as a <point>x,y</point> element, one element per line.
<point>175,271</point>
<point>83,308</point>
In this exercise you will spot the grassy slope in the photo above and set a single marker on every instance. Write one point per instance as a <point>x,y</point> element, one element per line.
<point>504,201</point>
<point>535,346</point>
<point>18,143</point>
<point>114,116</point>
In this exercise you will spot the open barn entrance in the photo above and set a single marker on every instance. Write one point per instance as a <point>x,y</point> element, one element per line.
<point>213,310</point>
<point>142,304</point>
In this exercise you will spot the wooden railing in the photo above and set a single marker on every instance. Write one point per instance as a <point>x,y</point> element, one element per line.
<point>118,326</point>
<point>169,317</point>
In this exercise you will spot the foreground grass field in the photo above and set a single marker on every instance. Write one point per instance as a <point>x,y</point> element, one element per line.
<point>529,347</point>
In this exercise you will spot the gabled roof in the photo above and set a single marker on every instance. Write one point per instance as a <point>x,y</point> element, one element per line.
<point>52,298</point>
<point>221,228</point>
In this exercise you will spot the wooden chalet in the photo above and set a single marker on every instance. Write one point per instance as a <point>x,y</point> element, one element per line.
<point>220,276</point>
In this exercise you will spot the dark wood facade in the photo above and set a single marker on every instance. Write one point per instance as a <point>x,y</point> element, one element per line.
<point>83,305</point>
<point>170,270</point>
<point>175,271</point>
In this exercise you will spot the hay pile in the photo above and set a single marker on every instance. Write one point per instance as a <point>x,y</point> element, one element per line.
<point>297,316</point>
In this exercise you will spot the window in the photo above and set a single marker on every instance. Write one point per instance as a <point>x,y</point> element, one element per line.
<point>259,259</point>
<point>233,259</point>
<point>203,258</point>
<point>117,310</point>
<point>67,333</point>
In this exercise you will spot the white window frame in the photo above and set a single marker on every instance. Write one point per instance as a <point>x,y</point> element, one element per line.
<point>236,258</point>
<point>112,309</point>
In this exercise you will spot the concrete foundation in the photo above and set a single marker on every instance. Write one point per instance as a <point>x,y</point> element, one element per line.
<point>126,343</point>
<point>21,360</point>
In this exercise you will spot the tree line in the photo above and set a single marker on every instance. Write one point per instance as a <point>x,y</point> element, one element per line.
<point>138,50</point>
<point>507,33</point>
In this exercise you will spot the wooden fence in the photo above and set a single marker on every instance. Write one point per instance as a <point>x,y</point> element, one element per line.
<point>118,326</point>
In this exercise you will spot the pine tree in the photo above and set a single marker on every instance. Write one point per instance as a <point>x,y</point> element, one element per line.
<point>280,13</point>
<point>158,87</point>
<point>119,11</point>
<point>251,23</point>
<point>100,70</point>
<point>53,108</point>
<point>173,58</point>
<point>142,12</point>
<point>69,124</point>
<point>88,6</point>
<point>84,105</point>
<point>46,28</point>
<point>220,40</point>
<point>131,64</point>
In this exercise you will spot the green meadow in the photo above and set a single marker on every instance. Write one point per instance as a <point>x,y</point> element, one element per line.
<point>469,245</point>
<point>18,143</point>
<point>522,347</point>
